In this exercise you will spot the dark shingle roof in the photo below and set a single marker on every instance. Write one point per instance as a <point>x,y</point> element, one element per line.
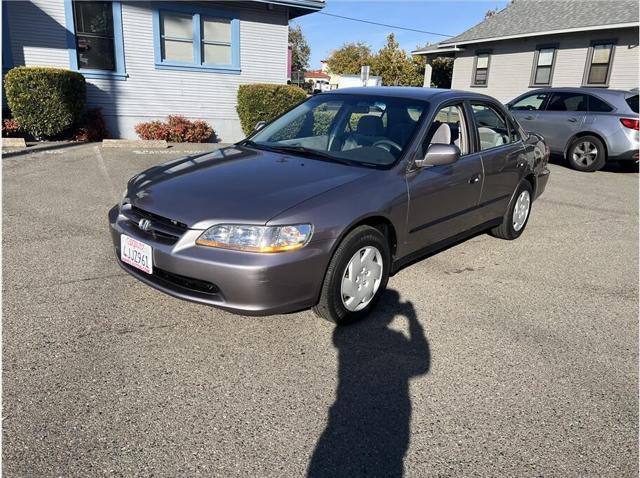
<point>526,17</point>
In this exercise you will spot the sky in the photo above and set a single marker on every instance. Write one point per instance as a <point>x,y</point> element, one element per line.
<point>325,33</point>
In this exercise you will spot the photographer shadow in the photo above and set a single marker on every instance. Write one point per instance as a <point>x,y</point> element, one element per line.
<point>368,429</point>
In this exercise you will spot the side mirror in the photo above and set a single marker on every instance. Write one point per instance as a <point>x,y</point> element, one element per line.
<point>439,154</point>
<point>259,125</point>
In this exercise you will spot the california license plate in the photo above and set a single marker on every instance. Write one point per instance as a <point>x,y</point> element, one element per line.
<point>136,253</point>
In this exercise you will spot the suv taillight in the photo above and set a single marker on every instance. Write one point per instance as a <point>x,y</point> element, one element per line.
<point>630,123</point>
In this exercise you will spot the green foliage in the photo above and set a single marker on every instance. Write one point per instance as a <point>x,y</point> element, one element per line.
<point>348,59</point>
<point>394,65</point>
<point>300,51</point>
<point>442,72</point>
<point>262,102</point>
<point>45,101</point>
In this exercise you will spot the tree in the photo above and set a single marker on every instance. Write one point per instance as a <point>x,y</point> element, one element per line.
<point>394,65</point>
<point>300,51</point>
<point>348,59</point>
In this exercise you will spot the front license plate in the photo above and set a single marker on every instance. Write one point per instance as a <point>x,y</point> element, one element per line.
<point>136,253</point>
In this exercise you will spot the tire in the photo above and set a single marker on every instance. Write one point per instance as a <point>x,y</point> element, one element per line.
<point>333,305</point>
<point>587,153</point>
<point>509,229</point>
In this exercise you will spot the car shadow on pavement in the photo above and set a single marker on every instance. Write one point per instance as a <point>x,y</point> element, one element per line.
<point>368,429</point>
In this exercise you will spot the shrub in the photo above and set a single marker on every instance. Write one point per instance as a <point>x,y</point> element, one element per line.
<point>93,127</point>
<point>45,101</point>
<point>10,128</point>
<point>177,129</point>
<point>265,102</point>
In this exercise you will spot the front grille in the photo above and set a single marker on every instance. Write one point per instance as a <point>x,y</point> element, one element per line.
<point>163,229</point>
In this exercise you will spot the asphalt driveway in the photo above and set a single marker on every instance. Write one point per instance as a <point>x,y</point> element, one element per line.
<point>492,358</point>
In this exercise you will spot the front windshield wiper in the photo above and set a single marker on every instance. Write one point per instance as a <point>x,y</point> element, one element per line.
<point>307,152</point>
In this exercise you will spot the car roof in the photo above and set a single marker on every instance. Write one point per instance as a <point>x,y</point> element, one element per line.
<point>603,92</point>
<point>410,92</point>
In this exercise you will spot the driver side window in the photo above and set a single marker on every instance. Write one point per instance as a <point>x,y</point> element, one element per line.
<point>448,127</point>
<point>530,103</point>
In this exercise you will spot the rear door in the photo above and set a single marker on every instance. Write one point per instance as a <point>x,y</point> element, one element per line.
<point>502,153</point>
<point>562,117</point>
<point>525,110</point>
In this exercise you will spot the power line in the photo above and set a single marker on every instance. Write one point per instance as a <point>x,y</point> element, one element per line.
<point>383,24</point>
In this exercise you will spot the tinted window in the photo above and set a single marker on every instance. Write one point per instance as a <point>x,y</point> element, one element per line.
<point>491,125</point>
<point>530,103</point>
<point>633,103</point>
<point>597,105</point>
<point>567,102</point>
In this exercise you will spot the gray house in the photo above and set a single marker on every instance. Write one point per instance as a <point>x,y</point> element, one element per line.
<point>144,60</point>
<point>532,44</point>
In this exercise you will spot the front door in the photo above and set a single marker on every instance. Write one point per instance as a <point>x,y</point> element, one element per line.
<point>526,109</point>
<point>561,119</point>
<point>443,199</point>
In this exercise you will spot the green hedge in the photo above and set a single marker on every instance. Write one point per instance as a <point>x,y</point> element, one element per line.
<point>45,101</point>
<point>265,102</point>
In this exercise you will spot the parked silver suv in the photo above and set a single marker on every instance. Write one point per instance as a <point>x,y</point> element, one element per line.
<point>587,126</point>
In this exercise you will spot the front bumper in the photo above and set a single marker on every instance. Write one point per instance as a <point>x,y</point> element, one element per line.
<point>241,282</point>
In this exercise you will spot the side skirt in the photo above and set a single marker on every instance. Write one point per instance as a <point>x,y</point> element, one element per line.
<point>432,249</point>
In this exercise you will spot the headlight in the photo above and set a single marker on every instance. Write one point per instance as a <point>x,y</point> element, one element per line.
<point>256,238</point>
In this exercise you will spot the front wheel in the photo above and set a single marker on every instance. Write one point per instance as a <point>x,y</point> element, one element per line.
<point>356,277</point>
<point>587,154</point>
<point>517,216</point>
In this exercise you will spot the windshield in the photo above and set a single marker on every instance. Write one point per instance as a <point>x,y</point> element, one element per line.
<point>369,130</point>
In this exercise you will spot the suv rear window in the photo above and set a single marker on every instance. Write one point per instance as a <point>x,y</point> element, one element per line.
<point>632,101</point>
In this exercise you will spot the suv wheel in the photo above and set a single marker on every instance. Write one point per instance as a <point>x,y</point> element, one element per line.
<point>586,153</point>
<point>356,277</point>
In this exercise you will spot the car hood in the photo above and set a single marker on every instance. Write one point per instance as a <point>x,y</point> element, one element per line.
<point>235,185</point>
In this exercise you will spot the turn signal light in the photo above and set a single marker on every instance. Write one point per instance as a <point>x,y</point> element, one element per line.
<point>630,123</point>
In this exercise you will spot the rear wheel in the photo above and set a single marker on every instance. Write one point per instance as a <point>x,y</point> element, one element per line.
<point>586,153</point>
<point>356,277</point>
<point>517,216</point>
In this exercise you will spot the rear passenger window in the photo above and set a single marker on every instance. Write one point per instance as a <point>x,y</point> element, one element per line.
<point>597,105</point>
<point>530,103</point>
<point>567,102</point>
<point>492,127</point>
<point>633,103</point>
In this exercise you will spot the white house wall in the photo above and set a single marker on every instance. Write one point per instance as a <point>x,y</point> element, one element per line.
<point>512,61</point>
<point>149,93</point>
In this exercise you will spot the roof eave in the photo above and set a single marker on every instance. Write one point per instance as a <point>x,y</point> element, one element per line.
<point>542,33</point>
<point>297,8</point>
<point>436,51</point>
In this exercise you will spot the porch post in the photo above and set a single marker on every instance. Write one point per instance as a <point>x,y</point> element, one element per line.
<point>427,72</point>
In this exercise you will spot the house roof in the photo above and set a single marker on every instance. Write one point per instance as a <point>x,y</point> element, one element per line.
<point>541,17</point>
<point>298,8</point>
<point>316,74</point>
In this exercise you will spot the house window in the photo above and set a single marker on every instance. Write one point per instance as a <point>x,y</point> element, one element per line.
<point>599,61</point>
<point>196,39</point>
<point>481,70</point>
<point>94,38</point>
<point>544,60</point>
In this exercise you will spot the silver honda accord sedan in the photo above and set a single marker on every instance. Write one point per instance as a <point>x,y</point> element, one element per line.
<point>318,207</point>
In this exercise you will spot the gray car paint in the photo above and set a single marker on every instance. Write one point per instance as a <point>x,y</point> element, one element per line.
<point>423,209</point>
<point>560,128</point>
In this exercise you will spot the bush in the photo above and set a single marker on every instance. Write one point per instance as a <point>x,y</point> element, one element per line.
<point>265,102</point>
<point>45,101</point>
<point>177,129</point>
<point>93,127</point>
<point>10,128</point>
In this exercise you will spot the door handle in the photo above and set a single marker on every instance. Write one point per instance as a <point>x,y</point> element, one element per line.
<point>528,117</point>
<point>572,120</point>
<point>474,179</point>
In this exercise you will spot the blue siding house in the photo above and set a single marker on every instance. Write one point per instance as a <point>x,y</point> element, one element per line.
<point>144,60</point>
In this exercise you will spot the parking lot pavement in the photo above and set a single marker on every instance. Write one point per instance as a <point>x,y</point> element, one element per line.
<point>522,359</point>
